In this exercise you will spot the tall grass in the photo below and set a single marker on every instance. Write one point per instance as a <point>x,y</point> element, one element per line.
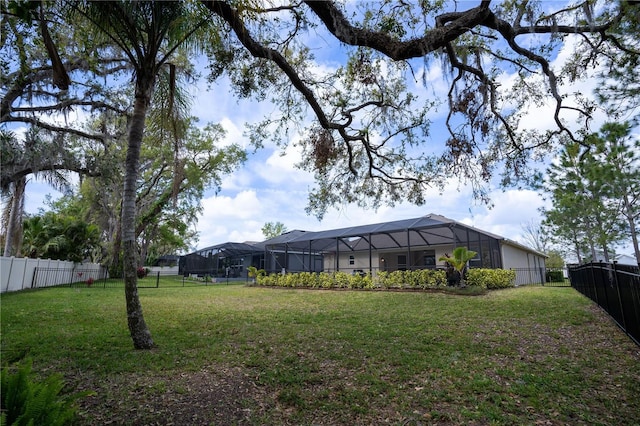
<point>231,354</point>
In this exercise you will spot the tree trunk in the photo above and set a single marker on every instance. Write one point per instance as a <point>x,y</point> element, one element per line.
<point>628,212</point>
<point>594,255</point>
<point>116,268</point>
<point>576,244</point>
<point>116,259</point>
<point>14,222</point>
<point>137,327</point>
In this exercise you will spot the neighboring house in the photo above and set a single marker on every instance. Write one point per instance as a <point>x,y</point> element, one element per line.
<point>221,260</point>
<point>167,260</point>
<point>398,245</point>
<point>625,259</point>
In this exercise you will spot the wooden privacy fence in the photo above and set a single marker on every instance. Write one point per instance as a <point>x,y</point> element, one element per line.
<point>615,288</point>
<point>20,273</point>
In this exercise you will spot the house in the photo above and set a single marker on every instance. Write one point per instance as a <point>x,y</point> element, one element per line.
<point>625,259</point>
<point>228,260</point>
<point>398,245</point>
<point>167,260</point>
<point>231,260</point>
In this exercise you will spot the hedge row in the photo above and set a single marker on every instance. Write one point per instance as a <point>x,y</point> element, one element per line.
<point>316,280</point>
<point>491,278</point>
<point>419,279</point>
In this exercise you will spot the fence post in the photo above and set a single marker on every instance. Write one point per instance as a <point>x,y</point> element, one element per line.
<point>24,274</point>
<point>72,275</point>
<point>9,275</point>
<point>157,279</point>
<point>593,283</point>
<point>615,279</point>
<point>34,278</point>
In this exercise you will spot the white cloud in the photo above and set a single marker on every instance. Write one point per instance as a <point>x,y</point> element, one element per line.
<point>541,117</point>
<point>224,217</point>
<point>241,206</point>
<point>512,209</point>
<point>280,169</point>
<point>269,188</point>
<point>234,135</point>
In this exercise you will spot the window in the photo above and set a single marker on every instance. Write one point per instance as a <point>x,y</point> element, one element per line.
<point>429,258</point>
<point>476,262</point>
<point>402,262</point>
<point>352,260</point>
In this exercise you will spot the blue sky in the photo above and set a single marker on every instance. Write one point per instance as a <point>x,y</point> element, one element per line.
<point>268,188</point>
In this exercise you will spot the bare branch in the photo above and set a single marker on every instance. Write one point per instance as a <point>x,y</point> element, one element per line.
<point>457,24</point>
<point>59,129</point>
<point>67,104</point>
<point>47,166</point>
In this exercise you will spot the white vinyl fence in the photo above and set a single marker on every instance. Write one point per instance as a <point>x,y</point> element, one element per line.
<point>19,273</point>
<point>163,270</point>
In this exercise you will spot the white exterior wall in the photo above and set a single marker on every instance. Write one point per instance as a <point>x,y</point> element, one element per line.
<point>514,257</point>
<point>440,252</point>
<point>361,261</point>
<point>530,267</point>
<point>361,258</point>
<point>164,270</point>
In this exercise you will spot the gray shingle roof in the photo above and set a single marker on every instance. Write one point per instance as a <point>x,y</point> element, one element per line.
<point>426,230</point>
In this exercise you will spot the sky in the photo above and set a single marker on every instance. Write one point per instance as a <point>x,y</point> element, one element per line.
<point>269,188</point>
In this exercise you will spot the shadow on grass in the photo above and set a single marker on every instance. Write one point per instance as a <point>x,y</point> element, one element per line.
<point>472,290</point>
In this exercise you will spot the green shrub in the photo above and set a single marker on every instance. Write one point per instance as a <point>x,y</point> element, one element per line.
<point>555,277</point>
<point>305,279</point>
<point>360,281</point>
<point>491,278</point>
<point>268,280</point>
<point>421,278</point>
<point>431,278</point>
<point>397,279</point>
<point>26,402</point>
<point>288,280</point>
<point>252,272</point>
<point>325,280</point>
<point>341,279</point>
<point>412,279</point>
<point>381,279</point>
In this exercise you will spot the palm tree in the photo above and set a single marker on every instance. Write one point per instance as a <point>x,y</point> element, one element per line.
<point>148,33</point>
<point>461,255</point>
<point>33,234</point>
<point>14,194</point>
<point>20,160</point>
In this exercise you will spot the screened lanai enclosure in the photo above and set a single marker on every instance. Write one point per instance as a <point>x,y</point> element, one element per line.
<point>222,260</point>
<point>398,245</point>
<point>232,260</point>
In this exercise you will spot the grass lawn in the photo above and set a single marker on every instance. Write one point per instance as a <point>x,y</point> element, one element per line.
<point>230,354</point>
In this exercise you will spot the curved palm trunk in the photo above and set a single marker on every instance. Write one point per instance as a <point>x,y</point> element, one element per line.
<point>137,327</point>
